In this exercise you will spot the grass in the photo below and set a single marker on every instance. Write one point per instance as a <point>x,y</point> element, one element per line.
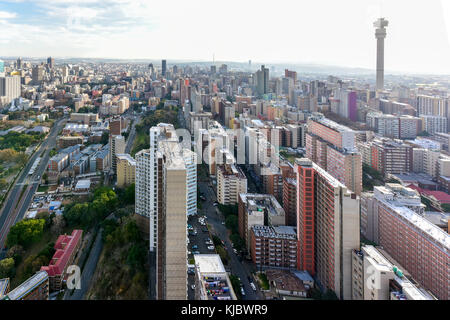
<point>42,189</point>
<point>263,281</point>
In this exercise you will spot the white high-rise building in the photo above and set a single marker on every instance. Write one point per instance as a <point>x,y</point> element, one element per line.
<point>166,193</point>
<point>10,88</point>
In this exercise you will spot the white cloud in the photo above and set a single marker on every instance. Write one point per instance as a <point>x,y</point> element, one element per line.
<point>7,15</point>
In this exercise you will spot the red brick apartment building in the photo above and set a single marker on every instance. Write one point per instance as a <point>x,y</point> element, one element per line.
<point>66,248</point>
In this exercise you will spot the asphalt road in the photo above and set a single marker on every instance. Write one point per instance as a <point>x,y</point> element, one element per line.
<point>88,270</point>
<point>132,135</point>
<point>13,210</point>
<point>215,219</point>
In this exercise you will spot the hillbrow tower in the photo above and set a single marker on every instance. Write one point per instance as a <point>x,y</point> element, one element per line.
<point>380,34</point>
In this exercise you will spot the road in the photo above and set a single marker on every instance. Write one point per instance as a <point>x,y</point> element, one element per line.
<point>88,271</point>
<point>13,210</point>
<point>132,135</point>
<point>215,219</point>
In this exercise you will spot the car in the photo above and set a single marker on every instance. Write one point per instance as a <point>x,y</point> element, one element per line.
<point>215,204</point>
<point>196,252</point>
<point>189,252</point>
<point>223,242</point>
<point>242,291</point>
<point>195,246</point>
<point>235,251</point>
<point>193,287</point>
<point>223,222</point>
<point>211,248</point>
<point>253,286</point>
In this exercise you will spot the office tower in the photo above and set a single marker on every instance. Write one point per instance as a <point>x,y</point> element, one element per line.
<point>115,126</point>
<point>262,81</point>
<point>213,70</point>
<point>223,69</point>
<point>10,88</point>
<point>327,227</point>
<point>2,66</point>
<point>51,62</point>
<point>164,68</point>
<point>211,279</point>
<point>117,146</point>
<point>19,63</point>
<point>380,34</point>
<point>37,74</point>
<point>332,147</point>
<point>166,193</point>
<point>126,170</point>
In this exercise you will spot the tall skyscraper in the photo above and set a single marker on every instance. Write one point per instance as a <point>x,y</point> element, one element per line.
<point>327,227</point>
<point>262,81</point>
<point>164,68</point>
<point>380,34</point>
<point>2,66</point>
<point>19,63</point>
<point>50,62</point>
<point>166,193</point>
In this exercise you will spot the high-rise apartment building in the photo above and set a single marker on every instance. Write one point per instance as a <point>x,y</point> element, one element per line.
<point>332,147</point>
<point>117,146</point>
<point>377,277</point>
<point>420,246</point>
<point>126,170</point>
<point>166,193</point>
<point>391,156</point>
<point>327,227</point>
<point>231,181</point>
<point>10,88</point>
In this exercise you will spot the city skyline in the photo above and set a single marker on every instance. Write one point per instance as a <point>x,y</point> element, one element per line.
<point>84,29</point>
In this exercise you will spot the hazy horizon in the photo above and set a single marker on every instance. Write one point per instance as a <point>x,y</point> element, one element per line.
<point>323,32</point>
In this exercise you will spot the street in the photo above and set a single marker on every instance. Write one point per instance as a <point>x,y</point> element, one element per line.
<point>13,210</point>
<point>215,220</point>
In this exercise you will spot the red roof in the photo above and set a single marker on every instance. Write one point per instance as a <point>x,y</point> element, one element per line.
<point>440,196</point>
<point>65,245</point>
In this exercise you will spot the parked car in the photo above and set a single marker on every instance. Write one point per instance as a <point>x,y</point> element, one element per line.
<point>193,287</point>
<point>253,286</point>
<point>211,248</point>
<point>196,252</point>
<point>195,246</point>
<point>242,291</point>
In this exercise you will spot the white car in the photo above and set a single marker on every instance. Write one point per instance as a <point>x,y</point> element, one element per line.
<point>193,287</point>
<point>253,286</point>
<point>210,247</point>
<point>242,291</point>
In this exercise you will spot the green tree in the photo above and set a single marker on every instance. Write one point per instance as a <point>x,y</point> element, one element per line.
<point>231,222</point>
<point>6,268</point>
<point>25,232</point>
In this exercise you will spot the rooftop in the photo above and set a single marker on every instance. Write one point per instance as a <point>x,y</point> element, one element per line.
<point>28,285</point>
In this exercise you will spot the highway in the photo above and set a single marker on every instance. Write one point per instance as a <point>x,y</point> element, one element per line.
<point>21,194</point>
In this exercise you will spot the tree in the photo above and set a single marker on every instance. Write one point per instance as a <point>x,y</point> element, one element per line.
<point>16,252</point>
<point>25,232</point>
<point>231,222</point>
<point>6,268</point>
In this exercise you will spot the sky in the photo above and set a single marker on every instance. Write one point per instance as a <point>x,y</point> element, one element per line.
<point>329,32</point>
